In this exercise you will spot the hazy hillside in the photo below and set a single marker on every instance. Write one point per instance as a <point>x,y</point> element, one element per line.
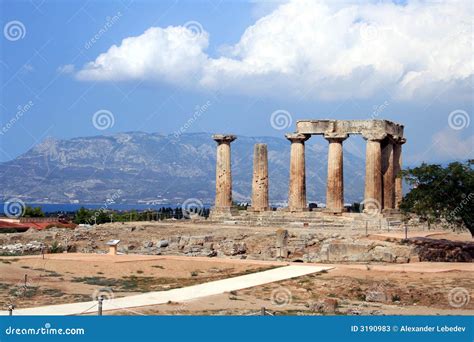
<point>139,166</point>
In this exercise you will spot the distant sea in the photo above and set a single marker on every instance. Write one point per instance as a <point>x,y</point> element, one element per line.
<point>65,207</point>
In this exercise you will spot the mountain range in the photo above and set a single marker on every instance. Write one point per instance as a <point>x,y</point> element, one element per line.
<point>138,167</point>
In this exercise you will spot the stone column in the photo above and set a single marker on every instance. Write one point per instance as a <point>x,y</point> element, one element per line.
<point>335,181</point>
<point>223,172</point>
<point>397,167</point>
<point>260,178</point>
<point>297,188</point>
<point>388,188</point>
<point>373,173</point>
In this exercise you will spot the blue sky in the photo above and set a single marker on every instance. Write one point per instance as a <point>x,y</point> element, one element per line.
<point>241,61</point>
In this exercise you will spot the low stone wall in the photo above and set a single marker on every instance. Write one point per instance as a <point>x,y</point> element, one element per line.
<point>304,245</point>
<point>317,219</point>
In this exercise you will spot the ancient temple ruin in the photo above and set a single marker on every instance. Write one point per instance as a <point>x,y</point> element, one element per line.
<point>383,184</point>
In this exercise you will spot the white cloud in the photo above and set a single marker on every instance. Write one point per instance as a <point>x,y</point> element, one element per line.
<point>449,144</point>
<point>172,55</point>
<point>318,49</point>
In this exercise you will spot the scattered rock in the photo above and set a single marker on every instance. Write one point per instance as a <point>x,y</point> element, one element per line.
<point>148,244</point>
<point>376,296</point>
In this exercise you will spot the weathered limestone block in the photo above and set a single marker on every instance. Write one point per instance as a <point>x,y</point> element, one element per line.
<point>349,127</point>
<point>376,295</point>
<point>282,243</point>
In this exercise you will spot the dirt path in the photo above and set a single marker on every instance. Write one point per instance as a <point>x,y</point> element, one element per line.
<point>182,294</point>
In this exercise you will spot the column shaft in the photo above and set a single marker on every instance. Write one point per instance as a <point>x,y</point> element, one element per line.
<point>388,175</point>
<point>223,172</point>
<point>260,178</point>
<point>397,158</point>
<point>335,181</point>
<point>297,188</point>
<point>373,174</point>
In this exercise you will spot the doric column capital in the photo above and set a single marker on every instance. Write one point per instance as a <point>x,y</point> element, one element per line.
<point>399,140</point>
<point>297,137</point>
<point>335,137</point>
<point>396,139</point>
<point>224,138</point>
<point>374,136</point>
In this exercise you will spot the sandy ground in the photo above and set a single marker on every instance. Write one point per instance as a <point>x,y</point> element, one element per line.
<point>416,288</point>
<point>461,236</point>
<point>421,290</point>
<point>68,278</point>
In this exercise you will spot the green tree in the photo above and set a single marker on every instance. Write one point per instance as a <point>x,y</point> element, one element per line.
<point>82,216</point>
<point>33,212</point>
<point>441,193</point>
